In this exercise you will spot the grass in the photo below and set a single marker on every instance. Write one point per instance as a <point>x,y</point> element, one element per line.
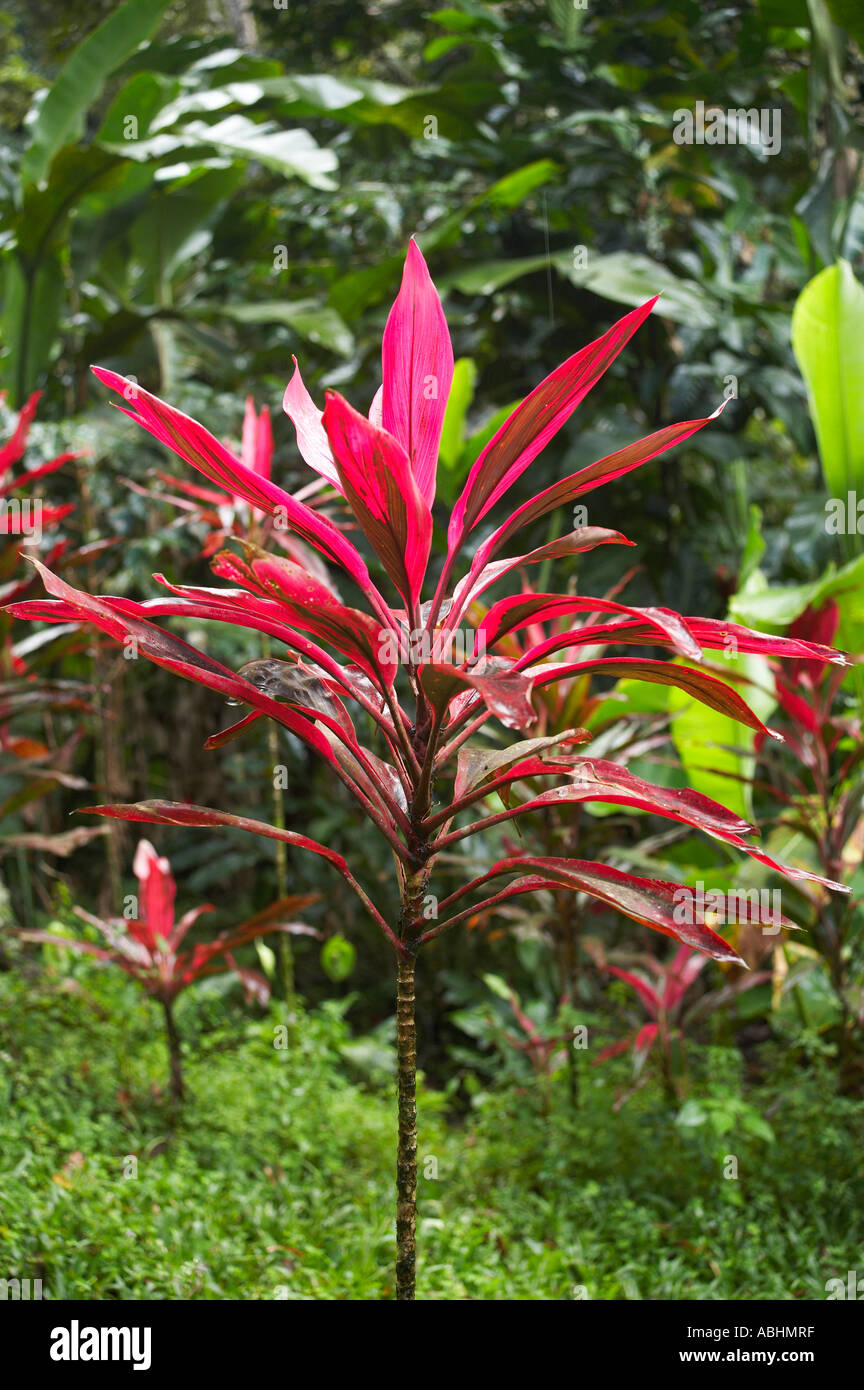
<point>276,1179</point>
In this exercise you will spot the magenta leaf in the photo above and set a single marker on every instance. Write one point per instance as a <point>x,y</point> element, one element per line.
<point>708,690</point>
<point>377,480</point>
<point>510,614</point>
<point>602,471</point>
<point>164,649</point>
<point>534,422</point>
<point>312,438</point>
<point>417,369</point>
<point>204,452</point>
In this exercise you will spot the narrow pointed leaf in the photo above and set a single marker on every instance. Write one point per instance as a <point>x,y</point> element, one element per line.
<point>164,649</point>
<point>583,539</point>
<point>535,421</point>
<point>307,420</point>
<point>586,479</point>
<point>510,614</point>
<point>703,687</point>
<point>378,483</point>
<point>417,368</point>
<point>204,452</point>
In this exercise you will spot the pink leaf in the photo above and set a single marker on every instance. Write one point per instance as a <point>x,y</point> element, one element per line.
<point>381,489</point>
<point>580,540</point>
<point>645,1038</point>
<point>164,649</point>
<point>311,606</point>
<point>510,614</point>
<point>646,991</point>
<point>204,452</point>
<point>312,438</point>
<point>417,370</point>
<point>534,422</point>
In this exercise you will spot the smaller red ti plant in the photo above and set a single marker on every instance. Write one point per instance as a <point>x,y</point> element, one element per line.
<point>822,801</point>
<point>148,947</point>
<point>546,1050</point>
<point>665,1000</point>
<point>27,525</point>
<point>226,514</point>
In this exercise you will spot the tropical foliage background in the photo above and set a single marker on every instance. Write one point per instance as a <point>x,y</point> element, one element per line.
<point>190,196</point>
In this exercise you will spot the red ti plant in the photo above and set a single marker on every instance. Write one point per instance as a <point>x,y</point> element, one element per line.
<point>821,799</point>
<point>393,660</point>
<point>148,947</point>
<point>665,1001</point>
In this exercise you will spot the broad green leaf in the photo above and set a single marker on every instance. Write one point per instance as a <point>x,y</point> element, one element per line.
<point>174,227</point>
<point>61,116</point>
<point>493,275</point>
<point>623,277</point>
<point>32,304</point>
<point>316,322</point>
<point>774,607</point>
<point>214,99</point>
<point>134,109</point>
<point>498,986</point>
<point>292,153</point>
<point>828,339</point>
<point>629,278</point>
<point>514,188</point>
<point>34,276</point>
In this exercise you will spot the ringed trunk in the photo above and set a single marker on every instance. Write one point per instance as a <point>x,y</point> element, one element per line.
<point>406,1155</point>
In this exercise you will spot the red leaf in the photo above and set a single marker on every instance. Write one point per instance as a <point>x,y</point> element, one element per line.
<point>604,470</point>
<point>382,491</point>
<point>11,451</point>
<point>710,633</point>
<point>534,422</point>
<point>199,448</point>
<point>814,625</point>
<point>510,614</point>
<point>646,900</point>
<point>180,813</point>
<point>643,988</point>
<point>644,1040</point>
<point>311,606</point>
<point>417,371</point>
<point>580,540</point>
<point>707,689</point>
<point>164,649</point>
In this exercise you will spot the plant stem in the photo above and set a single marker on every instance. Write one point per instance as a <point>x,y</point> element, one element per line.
<point>177,1090</point>
<point>406,1157</point>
